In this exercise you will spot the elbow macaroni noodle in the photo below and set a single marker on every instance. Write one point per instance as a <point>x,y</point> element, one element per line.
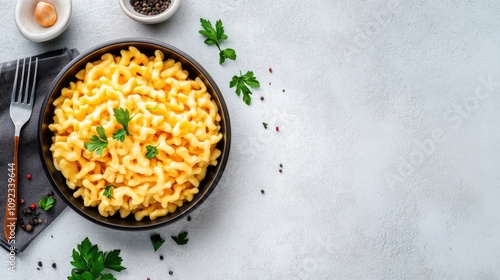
<point>170,111</point>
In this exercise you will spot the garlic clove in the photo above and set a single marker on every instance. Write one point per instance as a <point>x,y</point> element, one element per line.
<point>45,14</point>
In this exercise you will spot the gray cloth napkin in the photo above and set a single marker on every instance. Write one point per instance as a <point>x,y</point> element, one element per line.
<point>49,65</point>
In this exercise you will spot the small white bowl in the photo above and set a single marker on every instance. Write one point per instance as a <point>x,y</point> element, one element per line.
<point>128,9</point>
<point>29,27</point>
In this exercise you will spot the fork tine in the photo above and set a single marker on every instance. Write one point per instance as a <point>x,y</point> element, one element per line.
<point>14,89</point>
<point>28,99</point>
<point>24,98</point>
<point>19,96</point>
<point>32,96</point>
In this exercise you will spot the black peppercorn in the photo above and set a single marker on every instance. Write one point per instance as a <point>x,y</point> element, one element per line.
<point>150,7</point>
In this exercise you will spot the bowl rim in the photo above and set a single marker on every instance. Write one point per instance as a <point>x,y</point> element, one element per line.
<point>130,12</point>
<point>49,33</point>
<point>222,161</point>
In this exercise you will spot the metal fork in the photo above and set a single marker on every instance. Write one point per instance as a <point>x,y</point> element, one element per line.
<point>21,105</point>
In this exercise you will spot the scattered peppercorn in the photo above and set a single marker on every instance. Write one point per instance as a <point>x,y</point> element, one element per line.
<point>161,257</point>
<point>281,171</point>
<point>269,83</point>
<point>270,70</point>
<point>262,98</point>
<point>40,264</point>
<point>51,194</point>
<point>170,272</point>
<point>281,165</point>
<point>150,7</point>
<point>262,191</point>
<point>277,129</point>
<point>189,218</point>
<point>54,265</point>
<point>28,176</point>
<point>32,222</point>
<point>27,211</point>
<point>283,90</point>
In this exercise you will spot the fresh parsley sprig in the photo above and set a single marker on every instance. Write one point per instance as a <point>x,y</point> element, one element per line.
<point>46,203</point>
<point>214,37</point>
<point>181,238</point>
<point>157,241</point>
<point>151,151</point>
<point>122,117</point>
<point>242,82</point>
<point>107,191</point>
<point>119,135</point>
<point>97,142</point>
<point>89,262</point>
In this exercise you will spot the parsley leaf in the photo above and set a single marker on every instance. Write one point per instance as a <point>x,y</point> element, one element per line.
<point>89,262</point>
<point>151,151</point>
<point>242,83</point>
<point>120,135</point>
<point>265,125</point>
<point>107,191</point>
<point>227,53</point>
<point>97,142</point>
<point>215,36</point>
<point>113,261</point>
<point>181,238</point>
<point>157,241</point>
<point>46,203</point>
<point>123,117</point>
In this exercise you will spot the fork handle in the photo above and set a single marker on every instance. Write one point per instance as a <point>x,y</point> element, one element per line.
<point>11,208</point>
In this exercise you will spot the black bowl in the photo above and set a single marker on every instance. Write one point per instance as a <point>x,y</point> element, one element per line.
<point>67,75</point>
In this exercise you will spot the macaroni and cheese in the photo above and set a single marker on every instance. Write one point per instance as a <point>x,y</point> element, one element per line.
<point>168,110</point>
